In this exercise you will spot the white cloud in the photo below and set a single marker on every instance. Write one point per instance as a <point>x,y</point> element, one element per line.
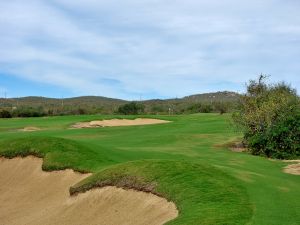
<point>159,48</point>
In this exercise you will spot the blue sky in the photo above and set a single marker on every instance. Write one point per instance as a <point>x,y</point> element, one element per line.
<point>148,48</point>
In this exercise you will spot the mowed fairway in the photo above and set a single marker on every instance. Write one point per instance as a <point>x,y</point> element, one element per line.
<point>180,161</point>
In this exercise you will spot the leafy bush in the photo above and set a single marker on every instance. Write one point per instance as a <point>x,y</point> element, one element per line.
<point>131,108</point>
<point>221,107</point>
<point>5,114</point>
<point>200,108</point>
<point>29,112</point>
<point>284,138</point>
<point>269,116</point>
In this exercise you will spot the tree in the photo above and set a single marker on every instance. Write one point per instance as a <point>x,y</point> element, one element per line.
<point>221,107</point>
<point>264,112</point>
<point>5,114</point>
<point>131,108</point>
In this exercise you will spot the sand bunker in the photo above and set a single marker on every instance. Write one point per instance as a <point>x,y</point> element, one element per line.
<point>29,195</point>
<point>30,129</point>
<point>293,168</point>
<point>118,122</point>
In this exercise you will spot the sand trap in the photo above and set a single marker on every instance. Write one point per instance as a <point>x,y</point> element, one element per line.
<point>118,122</point>
<point>30,129</point>
<point>29,195</point>
<point>293,168</point>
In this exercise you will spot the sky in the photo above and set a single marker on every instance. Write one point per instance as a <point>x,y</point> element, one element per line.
<point>134,49</point>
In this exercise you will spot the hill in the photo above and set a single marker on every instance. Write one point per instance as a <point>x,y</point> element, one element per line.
<point>99,104</point>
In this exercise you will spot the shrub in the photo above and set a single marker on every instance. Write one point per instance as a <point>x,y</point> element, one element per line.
<point>29,112</point>
<point>5,114</point>
<point>131,108</point>
<point>200,108</point>
<point>270,119</point>
<point>221,107</point>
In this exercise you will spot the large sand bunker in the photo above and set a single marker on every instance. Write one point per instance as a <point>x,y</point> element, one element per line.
<point>29,195</point>
<point>118,122</point>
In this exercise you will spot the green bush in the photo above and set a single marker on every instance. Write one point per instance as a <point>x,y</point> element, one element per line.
<point>5,114</point>
<point>200,108</point>
<point>131,108</point>
<point>269,116</point>
<point>284,138</point>
<point>29,112</point>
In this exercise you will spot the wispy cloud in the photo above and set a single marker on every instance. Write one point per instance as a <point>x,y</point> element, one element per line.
<point>157,48</point>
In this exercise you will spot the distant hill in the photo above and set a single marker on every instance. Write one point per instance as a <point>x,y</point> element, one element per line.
<point>99,104</point>
<point>227,96</point>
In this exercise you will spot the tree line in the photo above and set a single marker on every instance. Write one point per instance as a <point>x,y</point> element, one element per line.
<point>130,108</point>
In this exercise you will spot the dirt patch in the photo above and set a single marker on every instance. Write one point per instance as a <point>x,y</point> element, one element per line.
<point>238,149</point>
<point>29,195</point>
<point>235,146</point>
<point>30,129</point>
<point>293,168</point>
<point>118,122</point>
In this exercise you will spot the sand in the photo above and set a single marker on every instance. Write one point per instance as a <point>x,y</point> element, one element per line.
<point>29,195</point>
<point>30,129</point>
<point>118,122</point>
<point>293,168</point>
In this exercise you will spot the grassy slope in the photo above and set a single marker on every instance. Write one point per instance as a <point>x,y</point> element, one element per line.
<point>202,193</point>
<point>275,195</point>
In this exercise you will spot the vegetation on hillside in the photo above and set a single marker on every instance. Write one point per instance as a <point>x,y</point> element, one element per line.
<point>219,102</point>
<point>270,117</point>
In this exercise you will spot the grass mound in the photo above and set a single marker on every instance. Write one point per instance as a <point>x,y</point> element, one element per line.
<point>58,153</point>
<point>202,193</point>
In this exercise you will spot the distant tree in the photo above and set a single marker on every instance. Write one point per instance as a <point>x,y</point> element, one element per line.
<point>131,108</point>
<point>29,112</point>
<point>269,117</point>
<point>81,111</point>
<point>194,108</point>
<point>206,108</point>
<point>221,107</point>
<point>157,109</point>
<point>200,108</point>
<point>5,114</point>
<point>50,112</point>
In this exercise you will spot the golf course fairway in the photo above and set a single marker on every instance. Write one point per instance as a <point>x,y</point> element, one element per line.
<point>184,162</point>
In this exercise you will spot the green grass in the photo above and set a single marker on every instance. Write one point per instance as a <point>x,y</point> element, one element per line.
<point>202,193</point>
<point>178,160</point>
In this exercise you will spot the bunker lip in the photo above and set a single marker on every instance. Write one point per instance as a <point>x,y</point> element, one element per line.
<point>32,196</point>
<point>119,122</point>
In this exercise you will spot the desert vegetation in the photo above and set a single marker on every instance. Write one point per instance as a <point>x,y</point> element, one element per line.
<point>219,102</point>
<point>269,116</point>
